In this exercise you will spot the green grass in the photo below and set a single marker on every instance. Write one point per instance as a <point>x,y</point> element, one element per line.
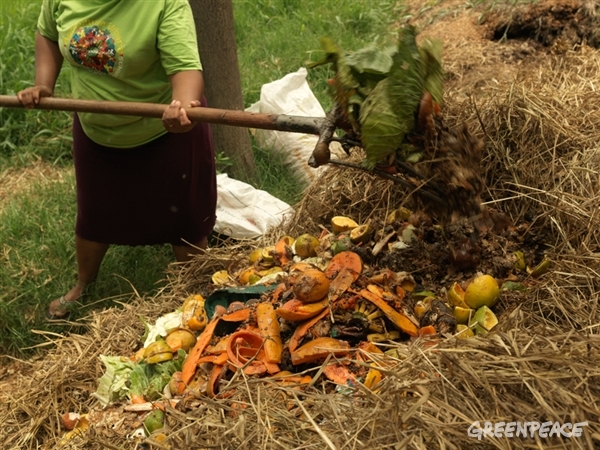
<point>27,135</point>
<point>276,37</point>
<point>38,263</point>
<point>37,259</point>
<point>275,177</point>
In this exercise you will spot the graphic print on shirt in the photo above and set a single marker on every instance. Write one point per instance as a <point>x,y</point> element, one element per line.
<point>97,47</point>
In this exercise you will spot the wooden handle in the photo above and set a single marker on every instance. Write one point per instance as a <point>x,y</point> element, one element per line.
<point>278,122</point>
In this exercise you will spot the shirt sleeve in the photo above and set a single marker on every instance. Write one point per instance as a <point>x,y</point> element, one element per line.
<point>47,20</point>
<point>177,41</point>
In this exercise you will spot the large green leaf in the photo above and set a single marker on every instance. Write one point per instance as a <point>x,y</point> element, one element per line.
<point>345,83</point>
<point>389,111</point>
<point>406,78</point>
<point>371,60</point>
<point>381,131</point>
<point>380,90</point>
<point>431,54</point>
<point>369,66</point>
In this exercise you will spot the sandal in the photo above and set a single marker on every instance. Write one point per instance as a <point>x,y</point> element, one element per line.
<point>63,310</point>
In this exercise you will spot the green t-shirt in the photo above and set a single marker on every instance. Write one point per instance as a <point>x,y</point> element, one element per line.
<point>122,50</point>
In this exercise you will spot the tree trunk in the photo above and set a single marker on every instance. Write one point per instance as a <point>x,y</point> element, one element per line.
<point>223,89</point>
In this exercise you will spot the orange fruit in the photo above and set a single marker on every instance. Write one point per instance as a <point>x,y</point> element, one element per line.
<point>311,286</point>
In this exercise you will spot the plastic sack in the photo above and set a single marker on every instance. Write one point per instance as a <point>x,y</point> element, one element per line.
<point>244,212</point>
<point>290,95</point>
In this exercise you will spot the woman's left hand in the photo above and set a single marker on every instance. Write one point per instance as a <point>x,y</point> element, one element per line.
<point>176,120</point>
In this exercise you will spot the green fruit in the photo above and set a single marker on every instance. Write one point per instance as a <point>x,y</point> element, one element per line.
<point>478,330</point>
<point>519,260</point>
<point>154,421</point>
<point>306,246</point>
<point>483,321</point>
<point>540,269</point>
<point>422,295</point>
<point>513,286</point>
<point>341,245</point>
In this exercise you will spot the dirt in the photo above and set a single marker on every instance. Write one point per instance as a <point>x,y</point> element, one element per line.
<point>541,24</point>
<point>496,40</point>
<point>10,371</point>
<point>547,23</point>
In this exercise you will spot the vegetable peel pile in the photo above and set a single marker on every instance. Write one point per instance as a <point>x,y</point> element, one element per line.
<point>335,310</point>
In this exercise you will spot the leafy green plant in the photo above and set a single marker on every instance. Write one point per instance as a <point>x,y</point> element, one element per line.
<point>379,90</point>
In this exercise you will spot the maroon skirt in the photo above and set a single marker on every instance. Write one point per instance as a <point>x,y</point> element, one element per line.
<point>162,192</point>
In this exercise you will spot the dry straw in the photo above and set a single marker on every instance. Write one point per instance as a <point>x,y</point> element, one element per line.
<point>542,132</point>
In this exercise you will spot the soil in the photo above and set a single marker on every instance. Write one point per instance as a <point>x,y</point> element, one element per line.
<point>499,40</point>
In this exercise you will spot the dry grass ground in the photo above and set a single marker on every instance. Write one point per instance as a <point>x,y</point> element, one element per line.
<point>14,181</point>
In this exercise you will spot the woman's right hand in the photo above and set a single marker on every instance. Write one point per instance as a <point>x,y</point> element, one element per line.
<point>30,97</point>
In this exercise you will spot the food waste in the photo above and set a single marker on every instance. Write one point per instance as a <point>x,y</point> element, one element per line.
<point>322,304</point>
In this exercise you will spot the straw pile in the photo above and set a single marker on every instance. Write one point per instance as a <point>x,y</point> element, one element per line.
<point>541,129</point>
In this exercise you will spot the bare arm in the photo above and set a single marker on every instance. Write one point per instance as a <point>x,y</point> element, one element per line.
<point>188,88</point>
<point>48,62</point>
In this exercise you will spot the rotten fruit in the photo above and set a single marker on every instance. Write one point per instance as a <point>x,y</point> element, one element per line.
<point>482,291</point>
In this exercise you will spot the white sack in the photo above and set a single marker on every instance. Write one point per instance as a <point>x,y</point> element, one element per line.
<point>244,212</point>
<point>290,95</point>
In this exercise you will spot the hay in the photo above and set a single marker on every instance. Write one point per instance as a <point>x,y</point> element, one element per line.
<point>543,363</point>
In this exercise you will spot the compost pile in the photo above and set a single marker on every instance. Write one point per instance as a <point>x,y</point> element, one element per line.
<point>312,310</point>
<point>387,361</point>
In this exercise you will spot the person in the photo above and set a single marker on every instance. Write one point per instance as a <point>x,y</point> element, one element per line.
<point>140,181</point>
